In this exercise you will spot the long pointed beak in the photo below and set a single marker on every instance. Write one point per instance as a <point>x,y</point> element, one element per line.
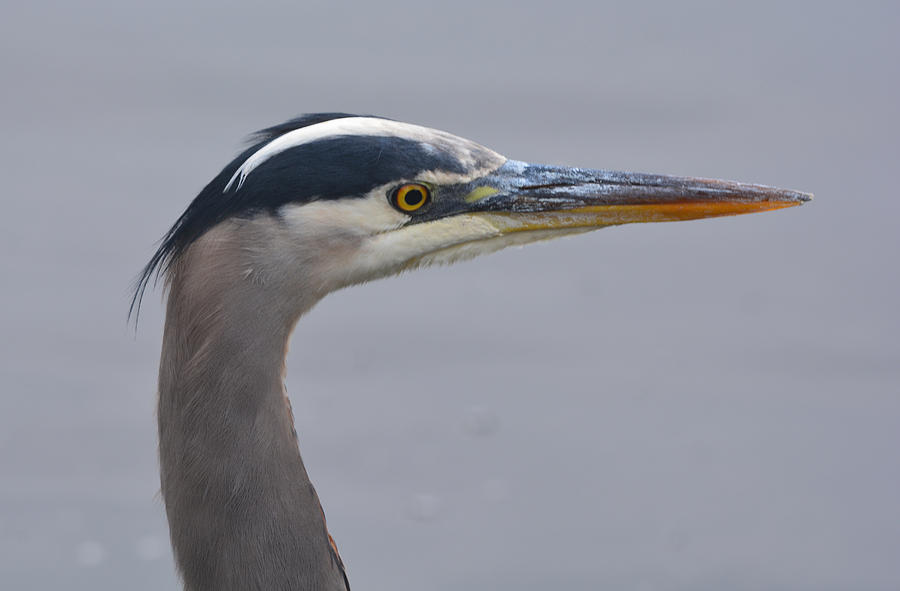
<point>536,197</point>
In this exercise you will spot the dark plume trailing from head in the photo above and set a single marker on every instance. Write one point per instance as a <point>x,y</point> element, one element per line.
<point>214,204</point>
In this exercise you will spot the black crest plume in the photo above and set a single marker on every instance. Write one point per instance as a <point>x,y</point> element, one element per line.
<point>212,206</point>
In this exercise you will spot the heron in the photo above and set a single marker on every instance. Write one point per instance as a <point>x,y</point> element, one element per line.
<point>313,205</point>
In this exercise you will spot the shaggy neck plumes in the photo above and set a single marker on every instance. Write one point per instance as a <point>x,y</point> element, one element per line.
<point>242,512</point>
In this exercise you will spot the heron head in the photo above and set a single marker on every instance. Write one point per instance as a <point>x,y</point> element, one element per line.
<point>337,199</point>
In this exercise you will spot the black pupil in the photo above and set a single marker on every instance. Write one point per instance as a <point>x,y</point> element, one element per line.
<point>414,197</point>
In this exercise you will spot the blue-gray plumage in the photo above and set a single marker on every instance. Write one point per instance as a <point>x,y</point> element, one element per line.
<point>316,204</point>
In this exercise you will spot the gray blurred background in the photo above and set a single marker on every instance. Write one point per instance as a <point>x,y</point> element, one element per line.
<point>708,405</point>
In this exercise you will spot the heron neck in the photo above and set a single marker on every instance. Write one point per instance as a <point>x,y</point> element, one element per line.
<point>242,511</point>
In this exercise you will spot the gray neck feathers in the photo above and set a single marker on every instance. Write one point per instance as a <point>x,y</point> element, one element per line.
<point>242,512</point>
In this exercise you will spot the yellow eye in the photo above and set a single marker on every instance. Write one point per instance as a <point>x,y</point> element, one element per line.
<point>410,197</point>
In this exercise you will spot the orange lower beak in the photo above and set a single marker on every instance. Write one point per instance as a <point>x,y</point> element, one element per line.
<point>678,211</point>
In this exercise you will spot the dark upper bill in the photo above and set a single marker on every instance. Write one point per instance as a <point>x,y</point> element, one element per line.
<point>559,197</point>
